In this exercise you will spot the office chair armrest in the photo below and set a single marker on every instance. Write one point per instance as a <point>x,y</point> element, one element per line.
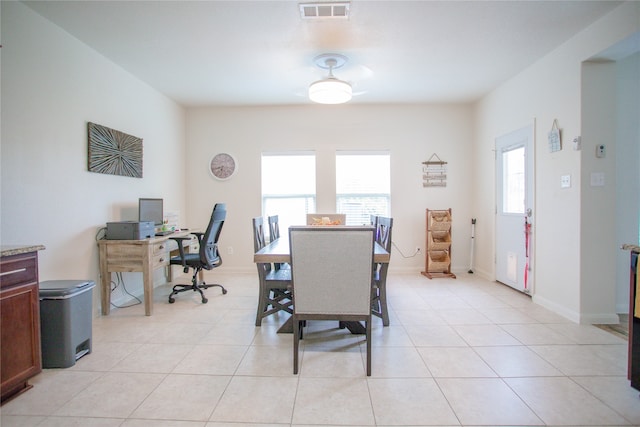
<point>179,241</point>
<point>198,234</point>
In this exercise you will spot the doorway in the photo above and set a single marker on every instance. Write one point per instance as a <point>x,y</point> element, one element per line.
<point>514,209</point>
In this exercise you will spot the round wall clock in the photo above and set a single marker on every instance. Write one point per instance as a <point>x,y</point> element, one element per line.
<point>223,166</point>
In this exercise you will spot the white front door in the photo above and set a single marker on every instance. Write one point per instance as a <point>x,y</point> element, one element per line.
<point>514,202</point>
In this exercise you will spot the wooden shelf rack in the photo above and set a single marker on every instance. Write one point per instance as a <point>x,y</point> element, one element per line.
<point>438,246</point>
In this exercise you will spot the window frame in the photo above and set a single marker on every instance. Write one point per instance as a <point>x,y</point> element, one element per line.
<point>342,199</point>
<point>309,199</point>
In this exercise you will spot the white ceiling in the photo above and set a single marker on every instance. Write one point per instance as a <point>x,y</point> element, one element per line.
<point>261,52</point>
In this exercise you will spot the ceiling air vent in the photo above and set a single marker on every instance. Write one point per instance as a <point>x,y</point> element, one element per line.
<point>327,10</point>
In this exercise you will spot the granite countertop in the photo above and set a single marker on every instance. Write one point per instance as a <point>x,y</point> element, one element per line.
<point>8,250</point>
<point>630,247</point>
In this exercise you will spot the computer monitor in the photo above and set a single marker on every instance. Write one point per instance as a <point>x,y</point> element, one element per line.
<point>150,210</point>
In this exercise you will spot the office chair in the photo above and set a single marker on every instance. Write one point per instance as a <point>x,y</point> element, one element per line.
<point>207,257</point>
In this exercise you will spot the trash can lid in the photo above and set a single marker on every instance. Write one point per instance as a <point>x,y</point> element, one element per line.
<point>64,287</point>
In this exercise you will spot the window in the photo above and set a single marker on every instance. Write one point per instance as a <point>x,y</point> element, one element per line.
<point>288,186</point>
<point>513,194</point>
<point>363,185</point>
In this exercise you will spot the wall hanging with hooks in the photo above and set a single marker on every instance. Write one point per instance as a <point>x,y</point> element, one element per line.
<point>555,137</point>
<point>434,172</point>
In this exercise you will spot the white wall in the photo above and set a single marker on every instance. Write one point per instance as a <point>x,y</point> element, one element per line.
<point>598,203</point>
<point>549,89</point>
<point>52,85</point>
<point>627,170</point>
<point>411,133</point>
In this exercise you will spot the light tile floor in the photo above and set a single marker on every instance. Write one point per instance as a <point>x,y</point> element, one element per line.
<point>462,351</point>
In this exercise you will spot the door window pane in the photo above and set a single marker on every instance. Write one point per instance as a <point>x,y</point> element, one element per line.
<point>513,194</point>
<point>363,185</point>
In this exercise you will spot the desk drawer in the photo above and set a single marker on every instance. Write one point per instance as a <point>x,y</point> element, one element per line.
<point>160,260</point>
<point>121,264</point>
<point>160,248</point>
<point>160,254</point>
<point>134,253</point>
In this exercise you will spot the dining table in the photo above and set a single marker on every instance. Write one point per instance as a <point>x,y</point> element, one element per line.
<point>278,251</point>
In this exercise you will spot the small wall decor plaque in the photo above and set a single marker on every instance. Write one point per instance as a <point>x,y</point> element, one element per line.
<point>555,140</point>
<point>113,152</point>
<point>434,172</point>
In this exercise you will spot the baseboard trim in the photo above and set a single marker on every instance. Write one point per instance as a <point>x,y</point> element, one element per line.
<point>600,319</point>
<point>558,309</point>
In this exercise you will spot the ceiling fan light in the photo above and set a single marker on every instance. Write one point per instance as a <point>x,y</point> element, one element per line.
<point>330,91</point>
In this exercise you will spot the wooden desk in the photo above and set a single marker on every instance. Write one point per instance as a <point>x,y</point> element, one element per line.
<point>143,256</point>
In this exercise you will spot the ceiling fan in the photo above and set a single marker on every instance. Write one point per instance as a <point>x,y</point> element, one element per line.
<point>331,89</point>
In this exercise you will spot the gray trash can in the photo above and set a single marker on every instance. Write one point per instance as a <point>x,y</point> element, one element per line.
<point>65,321</point>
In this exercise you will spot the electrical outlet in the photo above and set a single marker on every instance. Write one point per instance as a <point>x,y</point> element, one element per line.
<point>230,250</point>
<point>418,250</point>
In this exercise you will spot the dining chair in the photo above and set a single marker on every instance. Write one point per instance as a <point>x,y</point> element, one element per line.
<point>384,228</point>
<point>331,269</point>
<point>274,227</point>
<point>274,234</point>
<point>207,258</point>
<point>274,292</point>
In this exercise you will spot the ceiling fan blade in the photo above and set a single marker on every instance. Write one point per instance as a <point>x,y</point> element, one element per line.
<point>355,72</point>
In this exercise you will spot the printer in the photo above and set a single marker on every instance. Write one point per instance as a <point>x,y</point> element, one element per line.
<point>130,230</point>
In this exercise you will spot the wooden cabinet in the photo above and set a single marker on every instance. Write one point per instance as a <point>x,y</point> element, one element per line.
<point>438,254</point>
<point>634,324</point>
<point>20,357</point>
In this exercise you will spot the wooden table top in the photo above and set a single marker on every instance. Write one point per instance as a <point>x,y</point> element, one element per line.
<point>278,251</point>
<point>148,240</point>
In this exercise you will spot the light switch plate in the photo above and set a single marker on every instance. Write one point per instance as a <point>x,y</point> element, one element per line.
<point>597,179</point>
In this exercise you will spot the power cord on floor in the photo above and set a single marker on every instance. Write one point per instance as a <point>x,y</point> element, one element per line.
<point>417,251</point>
<point>120,281</point>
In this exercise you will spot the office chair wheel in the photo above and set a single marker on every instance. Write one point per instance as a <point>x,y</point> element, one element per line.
<point>204,300</point>
<point>224,291</point>
<point>172,300</point>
